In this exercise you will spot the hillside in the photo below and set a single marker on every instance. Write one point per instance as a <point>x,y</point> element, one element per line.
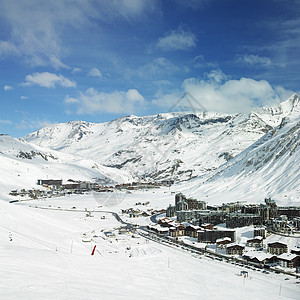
<point>268,168</point>
<point>21,164</point>
<point>175,146</point>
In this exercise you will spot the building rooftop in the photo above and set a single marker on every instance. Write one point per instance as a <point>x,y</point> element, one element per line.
<point>277,242</point>
<point>261,256</point>
<point>256,238</point>
<point>287,256</point>
<point>223,239</point>
<point>235,245</point>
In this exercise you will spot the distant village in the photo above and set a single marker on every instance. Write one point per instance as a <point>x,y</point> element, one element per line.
<point>194,219</point>
<point>56,188</point>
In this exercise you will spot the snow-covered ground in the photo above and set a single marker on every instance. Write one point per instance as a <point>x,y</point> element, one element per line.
<point>46,245</point>
<point>22,164</point>
<point>48,258</point>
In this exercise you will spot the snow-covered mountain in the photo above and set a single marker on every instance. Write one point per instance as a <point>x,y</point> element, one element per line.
<point>269,167</point>
<point>177,146</point>
<point>22,163</point>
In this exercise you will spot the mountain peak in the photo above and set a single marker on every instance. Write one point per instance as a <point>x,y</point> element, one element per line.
<point>293,103</point>
<point>290,104</point>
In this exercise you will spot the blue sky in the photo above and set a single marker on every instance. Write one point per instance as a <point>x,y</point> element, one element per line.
<point>98,60</point>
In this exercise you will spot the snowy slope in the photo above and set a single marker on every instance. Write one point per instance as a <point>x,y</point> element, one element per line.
<point>47,259</point>
<point>21,164</point>
<point>175,146</point>
<point>269,167</point>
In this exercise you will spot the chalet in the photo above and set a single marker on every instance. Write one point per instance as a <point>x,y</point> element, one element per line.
<point>260,257</point>
<point>256,242</point>
<point>162,231</point>
<point>277,248</point>
<point>288,260</point>
<point>165,222</point>
<point>221,243</point>
<point>177,231</point>
<point>235,249</point>
<point>207,226</point>
<point>192,231</point>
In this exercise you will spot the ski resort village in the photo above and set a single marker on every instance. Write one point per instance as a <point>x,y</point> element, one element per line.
<point>149,149</point>
<point>79,227</point>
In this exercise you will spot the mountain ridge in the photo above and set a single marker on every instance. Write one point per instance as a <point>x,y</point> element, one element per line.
<point>269,168</point>
<point>177,146</point>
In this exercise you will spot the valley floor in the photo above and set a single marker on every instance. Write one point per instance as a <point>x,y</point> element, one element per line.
<point>46,254</point>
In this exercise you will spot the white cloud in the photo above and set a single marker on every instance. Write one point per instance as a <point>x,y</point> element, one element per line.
<point>6,122</point>
<point>128,9</point>
<point>56,63</point>
<point>167,100</point>
<point>253,60</point>
<point>158,66</point>
<point>133,96</point>
<point>49,80</point>
<point>199,61</point>
<point>94,73</point>
<point>229,96</point>
<point>34,30</point>
<point>76,70</point>
<point>23,97</point>
<point>216,75</point>
<point>70,100</point>
<point>32,124</point>
<point>94,102</point>
<point>178,39</point>
<point>162,82</point>
<point>7,48</point>
<point>8,88</point>
<point>283,93</point>
<point>37,27</point>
